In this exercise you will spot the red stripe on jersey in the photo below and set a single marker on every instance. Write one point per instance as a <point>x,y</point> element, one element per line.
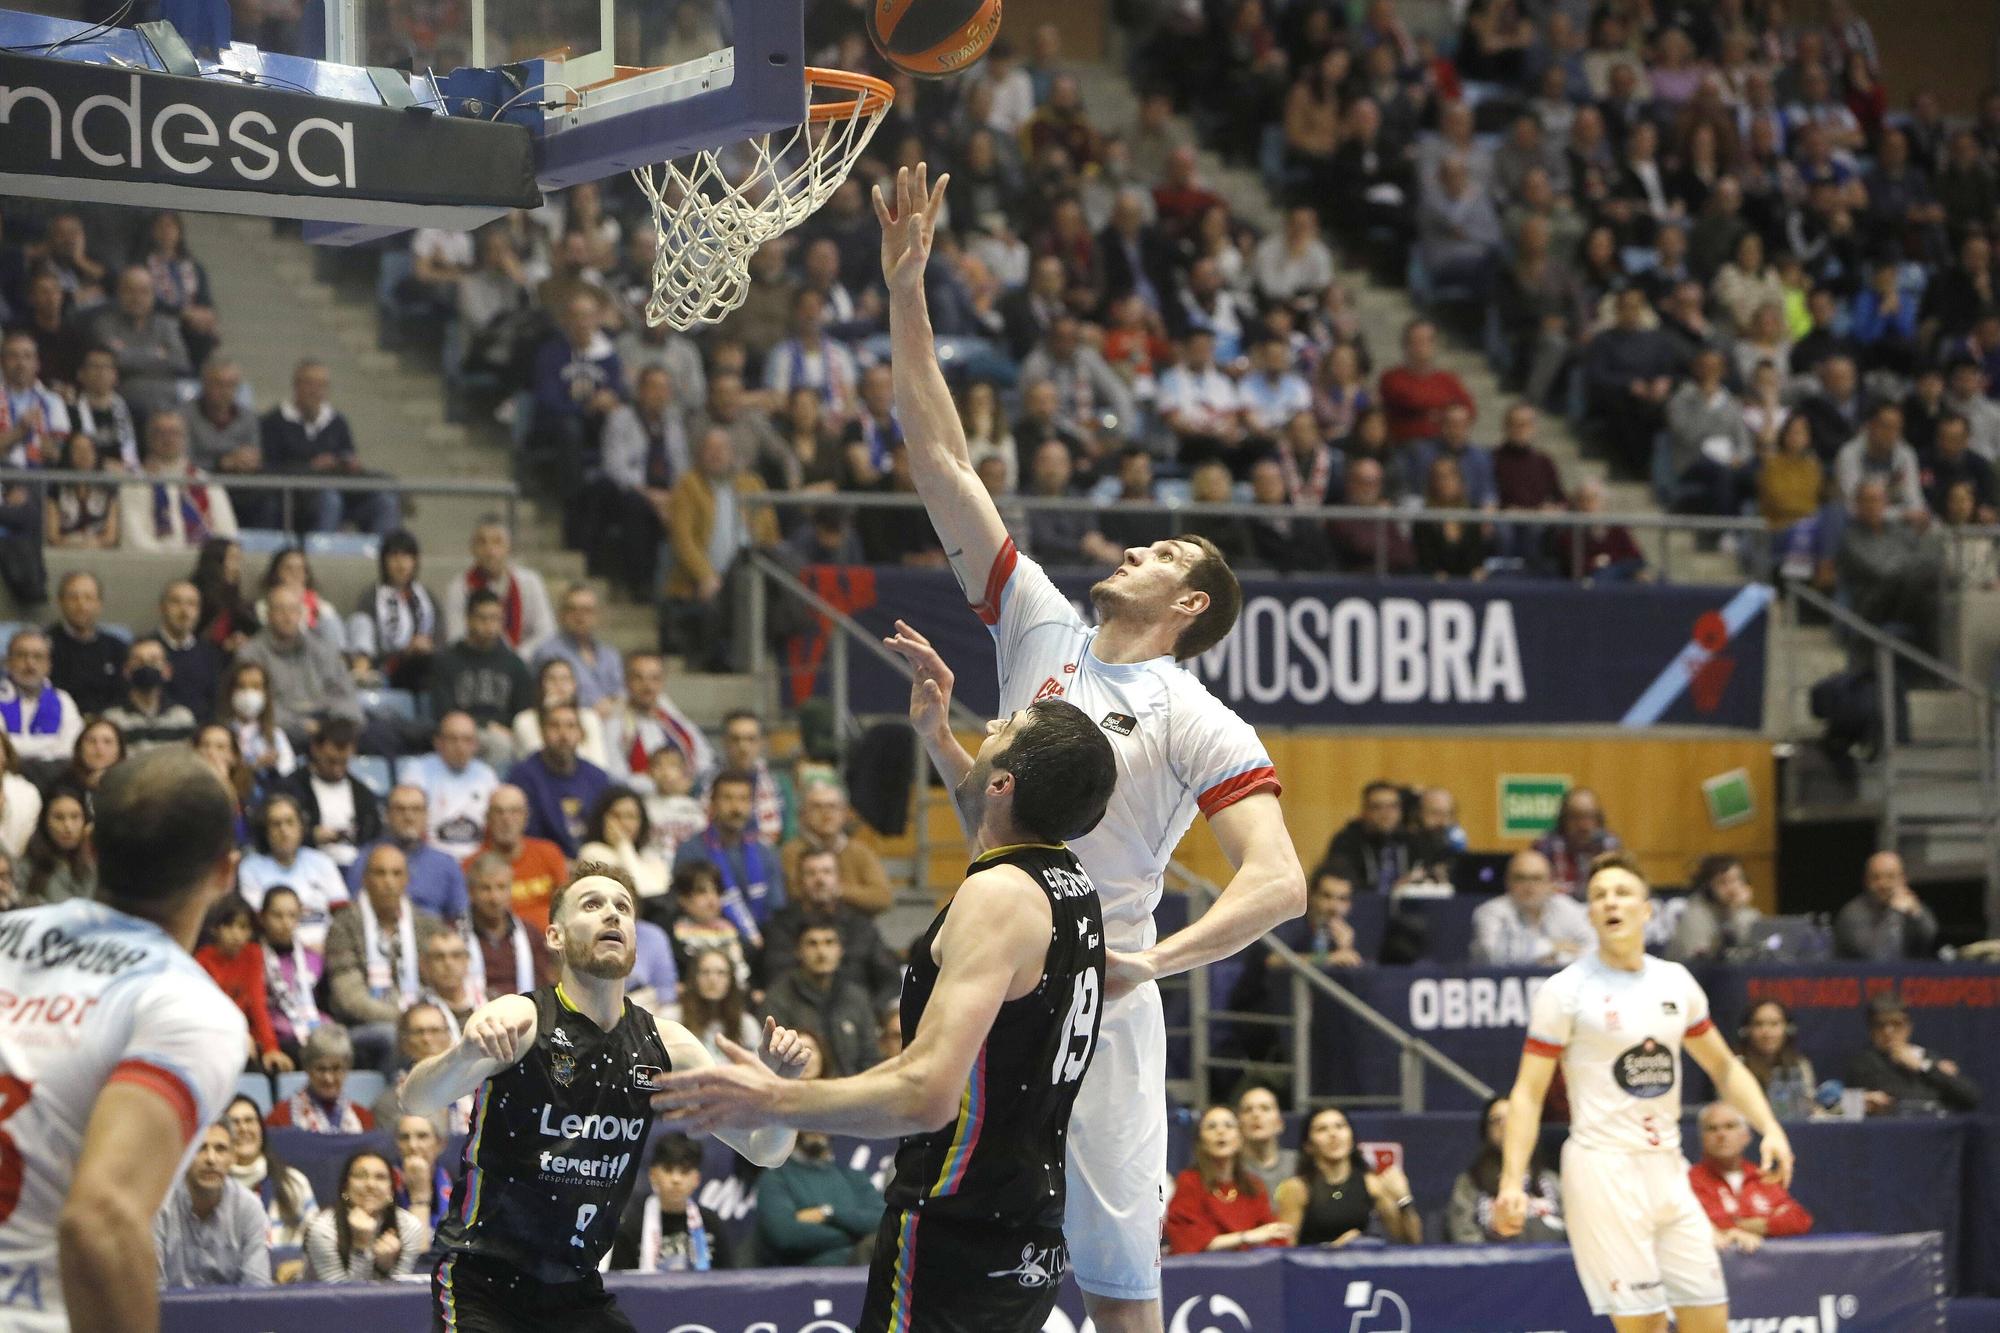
<point>1536,1046</point>
<point>988,607</point>
<point>168,1085</point>
<point>1231,790</point>
<point>1704,1026</point>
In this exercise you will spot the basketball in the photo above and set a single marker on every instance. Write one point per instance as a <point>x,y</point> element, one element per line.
<point>933,38</point>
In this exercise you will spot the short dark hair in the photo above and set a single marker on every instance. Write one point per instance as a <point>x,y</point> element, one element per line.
<point>336,730</point>
<point>1209,572</point>
<point>164,820</point>
<point>1380,784</point>
<point>735,775</point>
<point>583,870</point>
<point>735,715</point>
<point>479,597</point>
<point>1063,771</point>
<point>696,876</point>
<point>676,1151</point>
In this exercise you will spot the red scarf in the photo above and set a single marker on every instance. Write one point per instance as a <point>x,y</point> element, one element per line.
<point>1303,490</point>
<point>475,581</point>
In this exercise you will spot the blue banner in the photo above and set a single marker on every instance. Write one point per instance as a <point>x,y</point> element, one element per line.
<point>1843,1284</point>
<point>1363,652</point>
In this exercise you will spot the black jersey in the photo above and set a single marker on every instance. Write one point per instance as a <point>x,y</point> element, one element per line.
<point>557,1142</point>
<point>1002,1156</point>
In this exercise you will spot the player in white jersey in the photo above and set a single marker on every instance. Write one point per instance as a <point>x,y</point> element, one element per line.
<point>115,1050</point>
<point>1618,1019</point>
<point>1179,751</point>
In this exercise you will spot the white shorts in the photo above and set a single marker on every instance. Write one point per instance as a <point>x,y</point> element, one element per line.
<point>1117,1174</point>
<point>1641,1241</point>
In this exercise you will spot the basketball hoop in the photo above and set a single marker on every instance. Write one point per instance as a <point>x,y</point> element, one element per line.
<point>711,217</point>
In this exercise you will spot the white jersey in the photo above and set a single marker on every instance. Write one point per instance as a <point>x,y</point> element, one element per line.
<point>457,802</point>
<point>88,997</point>
<point>1619,1034</point>
<point>1180,749</point>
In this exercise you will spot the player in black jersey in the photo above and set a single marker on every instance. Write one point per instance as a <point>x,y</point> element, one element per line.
<point>999,1017</point>
<point>559,1128</point>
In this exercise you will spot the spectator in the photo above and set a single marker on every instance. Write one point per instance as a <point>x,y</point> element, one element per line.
<point>1325,939</point>
<point>1089,393</point>
<point>1881,453</point>
<point>1454,441</point>
<point>152,356</point>
<point>210,1232</point>
<point>174,508</point>
<point>1367,543</point>
<point>290,569</point>
<point>102,415</point>
<point>20,803</point>
<point>1745,1206</point>
<point>44,731</point>
<point>227,617</point>
<point>1056,537</point>
<point>216,746</point>
<point>1531,925</point>
<point>813,1211</point>
<point>1217,1203</point>
<point>457,785</point>
<point>743,752</point>
<point>309,683</point>
<point>1374,851</point>
<point>1578,838</point>
<point>644,451</point>
<point>363,1236</point>
<point>424,1029</point>
<point>1331,1198</point>
<point>616,833</point>
<point>1950,462</point>
<point>1605,551</point>
<point>235,962</point>
<point>1888,570</point>
<point>321,1106</point>
<point>1418,390</point>
<point>578,382</point>
<point>1273,393</point>
<point>815,996</point>
<point>506,957</point>
<point>1199,404</point>
<point>735,411</point>
<point>1901,1078</point>
<point>59,344</point>
<point>1294,264</point>
<point>1747,283</point>
<point>1887,922</point>
<point>80,515</point>
<point>393,629</point>
<point>646,722</point>
<point>291,971</point>
<point>480,677</point>
<point>713,1003</point>
<point>1629,369</point>
<point>714,519</point>
<point>305,435</point>
<point>809,356</point>
<point>1450,548</point>
<point>699,923</point>
<point>1719,921</point>
<point>664,1230</point>
<point>1708,441</point>
<point>342,815</point>
<point>1790,478</point>
<point>1967,394</point>
<point>560,786</point>
<point>99,747</point>
<point>751,874</point>
<point>148,716</point>
<point>283,1192</point>
<point>282,858</point>
<point>865,960</point>
<point>1770,1051</point>
<point>537,863</point>
<point>34,420</point>
<point>673,815</point>
<point>824,814</point>
<point>1458,232</point>
<point>437,884</point>
<point>1468,1218</point>
<point>1524,477</point>
<point>179,281</point>
<point>372,953</point>
<point>1262,1126</point>
<point>525,619</point>
<point>59,860</point>
<point>223,437</point>
<point>424,1187</point>
<point>1836,407</point>
<point>597,666</point>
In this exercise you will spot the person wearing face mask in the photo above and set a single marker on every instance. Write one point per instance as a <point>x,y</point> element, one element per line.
<point>246,709</point>
<point>148,715</point>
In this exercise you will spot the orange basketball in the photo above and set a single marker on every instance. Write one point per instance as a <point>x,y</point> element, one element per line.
<point>933,38</point>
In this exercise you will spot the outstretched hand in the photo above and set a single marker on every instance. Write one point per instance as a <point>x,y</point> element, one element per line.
<point>738,1092</point>
<point>930,687</point>
<point>782,1052</point>
<point>908,225</point>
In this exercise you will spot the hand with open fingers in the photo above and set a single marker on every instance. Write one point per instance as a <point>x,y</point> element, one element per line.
<point>1126,972</point>
<point>908,225</point>
<point>498,1037</point>
<point>930,688</point>
<point>782,1051</point>
<point>1777,1159</point>
<point>737,1093</point>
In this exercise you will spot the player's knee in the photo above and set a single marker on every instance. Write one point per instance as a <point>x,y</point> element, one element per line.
<point>1118,1314</point>
<point>1643,1323</point>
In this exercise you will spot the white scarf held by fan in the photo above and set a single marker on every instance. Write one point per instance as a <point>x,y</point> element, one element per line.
<point>381,977</point>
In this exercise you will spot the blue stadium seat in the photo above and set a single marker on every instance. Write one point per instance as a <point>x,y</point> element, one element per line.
<point>257,1088</point>
<point>117,631</point>
<point>289,1084</point>
<point>373,770</point>
<point>405,766</point>
<point>393,703</point>
<point>263,541</point>
<point>8,629</point>
<point>364,1086</point>
<point>363,544</point>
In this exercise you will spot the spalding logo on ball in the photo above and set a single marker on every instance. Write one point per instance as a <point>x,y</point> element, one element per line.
<point>933,38</point>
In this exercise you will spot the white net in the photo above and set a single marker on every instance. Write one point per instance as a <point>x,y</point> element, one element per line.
<point>713,209</point>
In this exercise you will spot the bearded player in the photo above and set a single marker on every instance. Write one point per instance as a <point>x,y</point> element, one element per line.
<point>560,1125</point>
<point>1179,751</point>
<point>1618,1019</point>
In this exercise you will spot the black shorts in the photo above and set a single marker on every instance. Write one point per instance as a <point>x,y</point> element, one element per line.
<point>951,1275</point>
<point>471,1295</point>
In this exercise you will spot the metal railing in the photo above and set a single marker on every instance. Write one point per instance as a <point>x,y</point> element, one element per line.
<point>1307,981</point>
<point>505,494</point>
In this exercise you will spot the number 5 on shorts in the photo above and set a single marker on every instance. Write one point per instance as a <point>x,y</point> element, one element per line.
<point>1072,1057</point>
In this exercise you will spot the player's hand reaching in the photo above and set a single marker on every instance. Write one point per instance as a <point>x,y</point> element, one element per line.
<point>782,1052</point>
<point>498,1037</point>
<point>930,689</point>
<point>1126,972</point>
<point>1510,1211</point>
<point>908,225</point>
<point>1776,1158</point>
<point>739,1092</point>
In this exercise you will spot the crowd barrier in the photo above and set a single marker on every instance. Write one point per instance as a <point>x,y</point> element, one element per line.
<point>1833,1284</point>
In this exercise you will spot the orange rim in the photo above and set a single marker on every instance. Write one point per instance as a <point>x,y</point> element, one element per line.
<point>870,95</point>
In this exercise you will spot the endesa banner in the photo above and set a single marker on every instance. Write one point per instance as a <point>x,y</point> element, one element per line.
<point>1836,1284</point>
<point>1363,652</point>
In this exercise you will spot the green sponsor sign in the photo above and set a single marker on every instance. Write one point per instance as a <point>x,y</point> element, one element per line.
<point>1528,802</point>
<point>1730,800</point>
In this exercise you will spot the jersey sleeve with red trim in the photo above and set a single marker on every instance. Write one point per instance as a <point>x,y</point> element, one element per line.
<point>1018,597</point>
<point>1695,1005</point>
<point>1551,1018</point>
<point>1219,755</point>
<point>188,1042</point>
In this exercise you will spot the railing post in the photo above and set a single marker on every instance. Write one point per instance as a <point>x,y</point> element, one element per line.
<point>760,614</point>
<point>1302,1008</point>
<point>513,511</point>
<point>1382,548</point>
<point>842,722</point>
<point>1667,555</point>
<point>285,508</point>
<point>1413,1079</point>
<point>1885,687</point>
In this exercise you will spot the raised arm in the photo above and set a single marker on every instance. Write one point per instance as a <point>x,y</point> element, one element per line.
<point>961,510</point>
<point>497,1035</point>
<point>930,706</point>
